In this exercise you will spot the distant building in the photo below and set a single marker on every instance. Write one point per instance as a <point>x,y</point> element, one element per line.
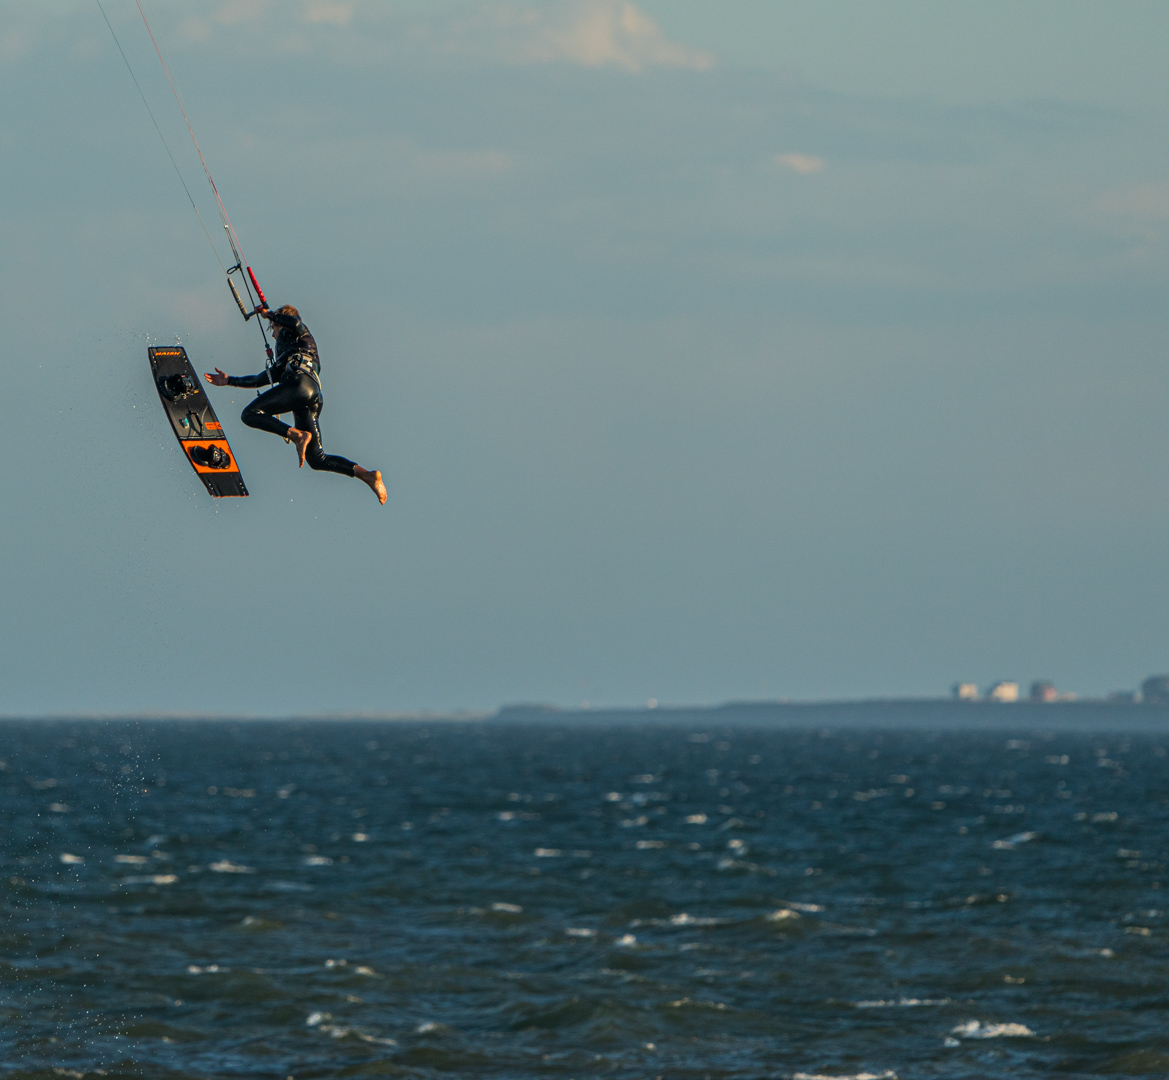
<point>1155,690</point>
<point>965,691</point>
<point>1005,691</point>
<point>1042,690</point>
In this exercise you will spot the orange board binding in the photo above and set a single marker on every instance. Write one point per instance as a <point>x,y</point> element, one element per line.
<point>194,422</point>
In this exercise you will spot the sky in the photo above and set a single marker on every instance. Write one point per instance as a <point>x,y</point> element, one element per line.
<point>710,350</point>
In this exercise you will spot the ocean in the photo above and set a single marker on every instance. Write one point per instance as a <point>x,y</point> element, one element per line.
<point>868,892</point>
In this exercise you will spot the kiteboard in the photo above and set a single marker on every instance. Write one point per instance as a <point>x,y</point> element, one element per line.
<point>194,422</point>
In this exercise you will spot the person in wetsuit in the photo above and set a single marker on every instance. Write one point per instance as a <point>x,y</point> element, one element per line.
<point>295,376</point>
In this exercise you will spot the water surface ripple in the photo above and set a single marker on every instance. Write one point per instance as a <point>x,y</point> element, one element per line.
<point>601,899</point>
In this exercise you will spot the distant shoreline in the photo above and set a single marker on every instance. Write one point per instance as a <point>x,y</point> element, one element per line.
<point>882,712</point>
<point>936,713</point>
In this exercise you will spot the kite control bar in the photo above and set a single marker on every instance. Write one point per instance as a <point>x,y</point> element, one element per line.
<point>259,309</point>
<point>261,306</point>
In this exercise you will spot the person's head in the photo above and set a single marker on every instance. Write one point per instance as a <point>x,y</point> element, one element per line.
<point>288,309</point>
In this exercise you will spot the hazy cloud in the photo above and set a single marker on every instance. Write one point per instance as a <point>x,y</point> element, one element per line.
<point>1138,203</point>
<point>19,30</point>
<point>14,44</point>
<point>324,11</point>
<point>591,33</point>
<point>586,33</point>
<point>373,163</point>
<point>234,14</point>
<point>805,164</point>
<point>1133,216</point>
<point>281,15</point>
<point>242,11</point>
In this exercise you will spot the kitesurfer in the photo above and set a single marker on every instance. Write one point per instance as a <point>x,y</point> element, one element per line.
<point>295,375</point>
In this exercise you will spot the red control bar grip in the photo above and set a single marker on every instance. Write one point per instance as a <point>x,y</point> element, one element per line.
<point>256,286</point>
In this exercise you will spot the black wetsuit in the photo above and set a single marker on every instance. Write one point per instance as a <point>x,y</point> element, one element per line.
<point>296,379</point>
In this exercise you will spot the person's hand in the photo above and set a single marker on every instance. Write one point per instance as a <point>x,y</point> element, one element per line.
<point>218,379</point>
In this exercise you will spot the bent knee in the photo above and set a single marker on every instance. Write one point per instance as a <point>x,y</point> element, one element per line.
<point>251,416</point>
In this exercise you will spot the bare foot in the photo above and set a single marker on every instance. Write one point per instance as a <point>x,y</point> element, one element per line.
<point>301,439</point>
<point>374,479</point>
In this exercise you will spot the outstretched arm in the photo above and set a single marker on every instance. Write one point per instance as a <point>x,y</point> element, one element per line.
<point>222,379</point>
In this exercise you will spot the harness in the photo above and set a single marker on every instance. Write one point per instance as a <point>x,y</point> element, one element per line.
<point>301,363</point>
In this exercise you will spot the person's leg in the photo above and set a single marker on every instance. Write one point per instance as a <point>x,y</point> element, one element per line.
<point>285,397</point>
<point>261,412</point>
<point>307,418</point>
<point>306,415</point>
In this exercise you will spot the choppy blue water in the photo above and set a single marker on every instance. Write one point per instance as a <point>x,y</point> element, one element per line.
<point>702,898</point>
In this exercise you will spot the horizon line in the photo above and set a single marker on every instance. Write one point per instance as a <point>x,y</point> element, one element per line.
<point>532,709</point>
